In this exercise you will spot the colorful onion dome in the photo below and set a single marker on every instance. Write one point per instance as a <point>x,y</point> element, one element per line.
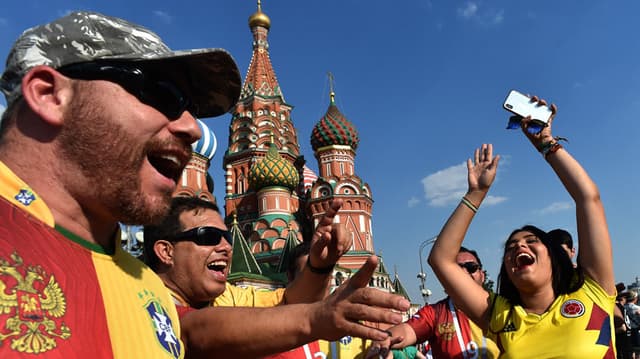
<point>273,170</point>
<point>259,19</point>
<point>334,129</point>
<point>207,144</point>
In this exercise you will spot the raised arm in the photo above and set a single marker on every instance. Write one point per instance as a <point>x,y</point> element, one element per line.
<point>594,245</point>
<point>236,332</point>
<point>329,243</point>
<point>465,292</point>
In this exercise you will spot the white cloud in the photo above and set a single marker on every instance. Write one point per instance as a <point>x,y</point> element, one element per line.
<point>447,186</point>
<point>469,10</point>
<point>2,108</point>
<point>413,201</point>
<point>555,207</point>
<point>163,16</point>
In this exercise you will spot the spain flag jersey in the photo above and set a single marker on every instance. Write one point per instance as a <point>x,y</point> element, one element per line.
<point>63,297</point>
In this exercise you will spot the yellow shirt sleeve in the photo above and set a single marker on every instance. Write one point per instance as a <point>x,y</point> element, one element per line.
<point>249,297</point>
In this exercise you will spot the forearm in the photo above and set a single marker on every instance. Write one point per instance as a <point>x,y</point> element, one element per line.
<point>573,177</point>
<point>595,254</point>
<point>307,287</point>
<point>245,332</point>
<point>449,241</point>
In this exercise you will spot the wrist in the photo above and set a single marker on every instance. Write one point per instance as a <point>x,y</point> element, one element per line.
<point>319,270</point>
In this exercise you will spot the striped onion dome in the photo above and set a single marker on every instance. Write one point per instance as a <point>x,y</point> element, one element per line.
<point>207,144</point>
<point>334,129</point>
<point>273,170</point>
<point>308,177</point>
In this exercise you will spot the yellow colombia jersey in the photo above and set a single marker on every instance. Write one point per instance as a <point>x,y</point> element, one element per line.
<point>63,297</point>
<point>577,325</point>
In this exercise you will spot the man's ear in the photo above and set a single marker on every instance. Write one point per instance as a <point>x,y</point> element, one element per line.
<point>164,251</point>
<point>47,92</point>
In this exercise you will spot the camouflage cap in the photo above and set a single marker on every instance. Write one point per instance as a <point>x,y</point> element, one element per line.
<point>211,76</point>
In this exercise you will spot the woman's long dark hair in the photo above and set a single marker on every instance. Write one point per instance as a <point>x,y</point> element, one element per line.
<point>564,277</point>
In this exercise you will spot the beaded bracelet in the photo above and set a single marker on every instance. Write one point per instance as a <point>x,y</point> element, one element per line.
<point>324,270</point>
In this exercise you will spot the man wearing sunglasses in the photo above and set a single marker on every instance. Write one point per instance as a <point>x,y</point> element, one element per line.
<point>97,130</point>
<point>191,251</point>
<point>447,329</point>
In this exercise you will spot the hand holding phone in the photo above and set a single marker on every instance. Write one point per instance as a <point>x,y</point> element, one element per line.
<point>522,106</point>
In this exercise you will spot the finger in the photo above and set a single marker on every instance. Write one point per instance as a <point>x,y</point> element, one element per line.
<point>489,152</point>
<point>495,162</point>
<point>476,156</point>
<point>385,304</point>
<point>357,329</point>
<point>484,154</point>
<point>542,102</point>
<point>362,276</point>
<point>395,340</point>
<point>334,207</point>
<point>367,313</point>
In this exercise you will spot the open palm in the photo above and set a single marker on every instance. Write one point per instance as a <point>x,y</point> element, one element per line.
<point>482,169</point>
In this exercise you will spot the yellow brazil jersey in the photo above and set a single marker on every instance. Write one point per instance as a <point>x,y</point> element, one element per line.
<point>577,325</point>
<point>249,297</point>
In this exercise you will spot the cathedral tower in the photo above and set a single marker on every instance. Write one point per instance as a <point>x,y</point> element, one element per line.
<point>334,140</point>
<point>262,165</point>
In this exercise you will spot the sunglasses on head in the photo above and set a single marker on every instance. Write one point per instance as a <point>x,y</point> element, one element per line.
<point>470,267</point>
<point>163,95</point>
<point>203,236</point>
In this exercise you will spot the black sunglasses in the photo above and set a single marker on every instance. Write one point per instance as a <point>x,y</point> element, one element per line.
<point>160,94</point>
<point>203,236</point>
<point>470,267</point>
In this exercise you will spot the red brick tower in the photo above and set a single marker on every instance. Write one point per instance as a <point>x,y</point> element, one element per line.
<point>334,140</point>
<point>261,132</point>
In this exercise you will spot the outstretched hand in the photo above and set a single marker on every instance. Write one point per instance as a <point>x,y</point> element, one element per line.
<point>348,309</point>
<point>482,169</point>
<point>330,240</point>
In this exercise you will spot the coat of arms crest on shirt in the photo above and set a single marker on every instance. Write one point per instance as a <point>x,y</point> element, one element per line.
<point>33,301</point>
<point>446,330</point>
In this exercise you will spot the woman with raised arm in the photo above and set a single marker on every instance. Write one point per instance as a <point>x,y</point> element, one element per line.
<point>544,307</point>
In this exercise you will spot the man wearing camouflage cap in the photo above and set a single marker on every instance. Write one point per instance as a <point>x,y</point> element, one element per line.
<point>97,130</point>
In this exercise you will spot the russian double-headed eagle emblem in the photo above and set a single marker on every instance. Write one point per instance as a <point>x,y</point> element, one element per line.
<point>30,301</point>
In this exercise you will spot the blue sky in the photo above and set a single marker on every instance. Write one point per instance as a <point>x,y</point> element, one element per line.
<point>423,82</point>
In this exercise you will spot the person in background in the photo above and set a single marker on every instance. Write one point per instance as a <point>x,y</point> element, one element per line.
<point>542,299</point>
<point>97,130</point>
<point>565,240</point>
<point>622,324</point>
<point>449,332</point>
<point>632,310</point>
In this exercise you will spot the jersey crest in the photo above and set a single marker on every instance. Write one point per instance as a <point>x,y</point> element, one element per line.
<point>35,305</point>
<point>446,330</point>
<point>162,325</point>
<point>572,308</point>
<point>25,196</point>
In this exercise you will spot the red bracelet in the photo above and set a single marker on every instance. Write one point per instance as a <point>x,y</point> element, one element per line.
<point>553,149</point>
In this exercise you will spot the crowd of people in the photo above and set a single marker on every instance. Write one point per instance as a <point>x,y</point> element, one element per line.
<point>107,113</point>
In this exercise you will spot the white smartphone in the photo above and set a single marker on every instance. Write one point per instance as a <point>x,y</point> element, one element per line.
<point>523,106</point>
